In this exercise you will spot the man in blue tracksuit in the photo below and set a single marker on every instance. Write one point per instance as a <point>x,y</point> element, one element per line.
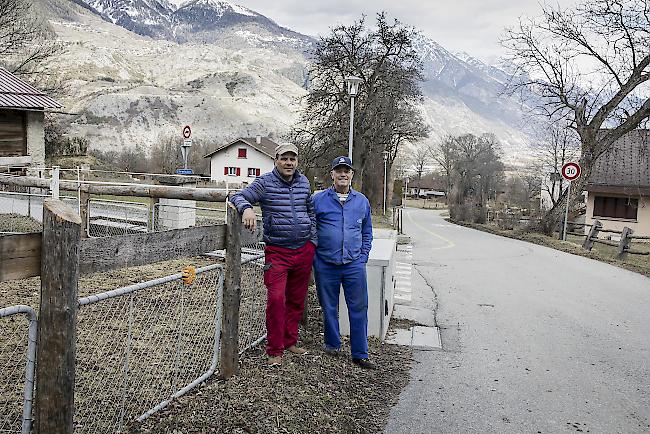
<point>344,229</point>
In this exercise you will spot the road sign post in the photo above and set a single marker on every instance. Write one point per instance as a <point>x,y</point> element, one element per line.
<point>187,143</point>
<point>570,172</point>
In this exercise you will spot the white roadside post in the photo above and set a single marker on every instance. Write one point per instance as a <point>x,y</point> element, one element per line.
<point>54,183</point>
<point>570,172</point>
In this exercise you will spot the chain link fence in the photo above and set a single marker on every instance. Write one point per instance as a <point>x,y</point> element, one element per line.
<point>17,362</point>
<point>111,217</point>
<point>141,346</point>
<point>252,307</point>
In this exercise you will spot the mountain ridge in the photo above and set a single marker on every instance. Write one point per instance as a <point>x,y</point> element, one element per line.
<point>250,74</point>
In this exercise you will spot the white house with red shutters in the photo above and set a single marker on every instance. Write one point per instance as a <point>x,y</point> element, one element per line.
<point>242,160</point>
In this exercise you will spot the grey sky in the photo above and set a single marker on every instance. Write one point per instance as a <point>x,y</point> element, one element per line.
<point>473,26</point>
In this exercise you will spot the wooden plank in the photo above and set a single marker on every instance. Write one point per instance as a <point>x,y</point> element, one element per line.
<point>231,294</point>
<point>20,256</point>
<point>109,253</point>
<point>624,242</point>
<point>166,191</point>
<point>57,319</point>
<point>593,235</point>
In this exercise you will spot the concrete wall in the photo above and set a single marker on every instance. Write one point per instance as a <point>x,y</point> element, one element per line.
<point>36,138</point>
<point>228,158</point>
<point>640,227</point>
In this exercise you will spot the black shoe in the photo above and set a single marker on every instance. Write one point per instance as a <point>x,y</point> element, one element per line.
<point>364,363</point>
<point>335,352</point>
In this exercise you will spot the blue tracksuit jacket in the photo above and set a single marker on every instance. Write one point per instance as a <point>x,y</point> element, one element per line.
<point>344,231</point>
<point>287,211</point>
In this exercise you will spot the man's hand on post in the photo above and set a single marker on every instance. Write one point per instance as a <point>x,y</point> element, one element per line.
<point>249,219</point>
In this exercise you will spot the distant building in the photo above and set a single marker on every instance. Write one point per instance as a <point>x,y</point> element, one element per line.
<point>242,160</point>
<point>22,112</point>
<point>618,190</point>
<point>426,187</point>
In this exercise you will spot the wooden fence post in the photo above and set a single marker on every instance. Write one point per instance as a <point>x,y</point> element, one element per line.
<point>84,202</point>
<point>593,234</point>
<point>624,243</point>
<point>57,318</point>
<point>231,295</point>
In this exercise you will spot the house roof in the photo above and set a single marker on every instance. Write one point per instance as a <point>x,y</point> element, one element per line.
<point>624,167</point>
<point>266,146</point>
<point>16,94</point>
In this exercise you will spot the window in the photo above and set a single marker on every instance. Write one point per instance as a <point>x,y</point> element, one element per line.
<point>241,153</point>
<point>231,171</point>
<point>616,207</point>
<point>253,172</point>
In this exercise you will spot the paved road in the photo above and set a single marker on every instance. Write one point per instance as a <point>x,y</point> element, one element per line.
<point>534,340</point>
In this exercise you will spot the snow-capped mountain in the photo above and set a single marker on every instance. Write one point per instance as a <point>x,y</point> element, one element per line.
<point>189,21</point>
<point>142,68</point>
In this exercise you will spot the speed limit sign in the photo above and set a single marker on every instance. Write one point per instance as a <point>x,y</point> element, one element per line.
<point>571,171</point>
<point>187,132</point>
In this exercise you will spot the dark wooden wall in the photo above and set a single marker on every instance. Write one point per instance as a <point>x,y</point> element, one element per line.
<point>13,133</point>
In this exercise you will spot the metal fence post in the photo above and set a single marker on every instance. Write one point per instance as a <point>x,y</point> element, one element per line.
<point>232,292</point>
<point>57,318</point>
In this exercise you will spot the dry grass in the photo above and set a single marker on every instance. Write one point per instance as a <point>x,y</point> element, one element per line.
<point>312,393</point>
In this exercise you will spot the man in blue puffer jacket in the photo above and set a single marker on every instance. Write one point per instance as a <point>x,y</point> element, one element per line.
<point>344,229</point>
<point>290,237</point>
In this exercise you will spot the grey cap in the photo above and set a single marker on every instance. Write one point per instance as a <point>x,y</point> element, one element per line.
<point>286,147</point>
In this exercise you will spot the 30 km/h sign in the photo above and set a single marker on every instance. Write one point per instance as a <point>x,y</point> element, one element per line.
<point>571,171</point>
<point>187,132</point>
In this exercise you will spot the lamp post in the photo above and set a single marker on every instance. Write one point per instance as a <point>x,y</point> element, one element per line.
<point>353,88</point>
<point>385,155</point>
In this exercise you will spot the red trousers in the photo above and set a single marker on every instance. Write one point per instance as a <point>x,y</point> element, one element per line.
<point>286,277</point>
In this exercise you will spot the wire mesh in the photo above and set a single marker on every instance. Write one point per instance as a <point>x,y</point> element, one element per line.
<point>252,307</point>
<point>17,358</point>
<point>108,218</point>
<point>175,216</point>
<point>21,212</point>
<point>136,349</point>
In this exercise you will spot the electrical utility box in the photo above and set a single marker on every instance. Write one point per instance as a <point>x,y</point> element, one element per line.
<point>381,286</point>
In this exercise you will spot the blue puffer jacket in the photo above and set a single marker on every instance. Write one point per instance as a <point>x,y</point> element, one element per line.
<point>287,209</point>
<point>344,231</point>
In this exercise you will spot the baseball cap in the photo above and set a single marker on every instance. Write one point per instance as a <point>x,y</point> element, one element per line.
<point>286,147</point>
<point>342,161</point>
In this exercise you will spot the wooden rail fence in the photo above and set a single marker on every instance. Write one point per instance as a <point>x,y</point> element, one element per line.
<point>59,255</point>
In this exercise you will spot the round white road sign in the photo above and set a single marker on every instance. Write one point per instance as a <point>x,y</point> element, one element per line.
<point>571,171</point>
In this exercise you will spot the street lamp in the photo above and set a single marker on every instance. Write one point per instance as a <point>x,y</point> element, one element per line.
<point>353,88</point>
<point>385,155</point>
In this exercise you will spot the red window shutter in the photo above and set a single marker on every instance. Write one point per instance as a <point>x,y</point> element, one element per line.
<point>241,153</point>
<point>225,170</point>
<point>257,172</point>
<point>238,171</point>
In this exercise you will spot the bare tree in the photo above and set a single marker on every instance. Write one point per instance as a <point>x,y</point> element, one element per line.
<point>588,66</point>
<point>26,44</point>
<point>443,154</point>
<point>420,158</point>
<point>558,146</point>
<point>385,113</point>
